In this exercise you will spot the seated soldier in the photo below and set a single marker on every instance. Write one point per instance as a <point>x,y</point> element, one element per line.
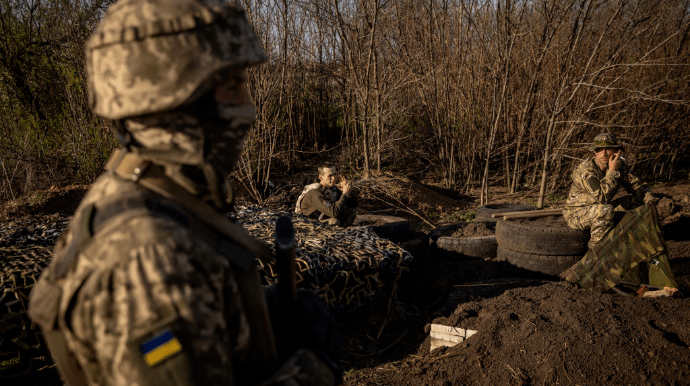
<point>327,200</point>
<point>595,182</point>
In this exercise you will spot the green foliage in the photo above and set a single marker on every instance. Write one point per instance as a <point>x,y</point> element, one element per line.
<point>555,197</point>
<point>37,198</point>
<point>462,216</point>
<point>353,375</point>
<point>50,137</point>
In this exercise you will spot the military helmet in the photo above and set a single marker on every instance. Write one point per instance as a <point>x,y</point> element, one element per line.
<point>148,56</point>
<point>605,140</point>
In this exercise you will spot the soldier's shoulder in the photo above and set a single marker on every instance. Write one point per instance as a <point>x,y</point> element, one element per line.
<point>585,167</point>
<point>119,209</point>
<point>139,232</point>
<point>107,187</point>
<point>315,190</point>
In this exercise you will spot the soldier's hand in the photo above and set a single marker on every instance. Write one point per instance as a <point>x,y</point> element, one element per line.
<point>345,185</point>
<point>614,161</point>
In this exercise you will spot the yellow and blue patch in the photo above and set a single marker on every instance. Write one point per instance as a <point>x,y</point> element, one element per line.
<point>160,348</point>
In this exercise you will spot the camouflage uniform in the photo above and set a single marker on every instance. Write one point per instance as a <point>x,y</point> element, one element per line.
<point>589,205</point>
<point>330,203</point>
<point>150,284</point>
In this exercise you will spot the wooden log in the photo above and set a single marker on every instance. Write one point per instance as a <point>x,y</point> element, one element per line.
<point>529,214</point>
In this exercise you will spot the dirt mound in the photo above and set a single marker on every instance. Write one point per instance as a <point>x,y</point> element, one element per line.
<point>47,202</point>
<point>556,333</point>
<point>474,229</point>
<point>544,222</point>
<point>369,223</point>
<point>426,205</point>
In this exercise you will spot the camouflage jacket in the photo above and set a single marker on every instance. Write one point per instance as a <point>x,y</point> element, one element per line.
<point>591,185</point>
<point>153,298</point>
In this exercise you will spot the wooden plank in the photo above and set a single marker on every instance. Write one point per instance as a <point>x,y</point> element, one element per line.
<point>447,336</point>
<point>452,330</point>
<point>443,328</point>
<point>546,212</point>
<point>436,343</point>
<point>529,214</point>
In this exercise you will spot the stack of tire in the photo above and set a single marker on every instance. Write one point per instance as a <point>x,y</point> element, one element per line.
<point>474,247</point>
<point>537,247</point>
<point>478,246</point>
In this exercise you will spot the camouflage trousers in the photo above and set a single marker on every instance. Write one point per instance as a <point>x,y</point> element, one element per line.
<point>597,218</point>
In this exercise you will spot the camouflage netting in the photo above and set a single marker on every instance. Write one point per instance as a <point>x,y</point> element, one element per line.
<point>634,251</point>
<point>345,266</point>
<point>25,248</point>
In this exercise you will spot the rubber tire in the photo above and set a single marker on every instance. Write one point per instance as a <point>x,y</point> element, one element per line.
<point>549,265</point>
<point>480,247</point>
<point>395,228</point>
<point>532,239</point>
<point>484,213</point>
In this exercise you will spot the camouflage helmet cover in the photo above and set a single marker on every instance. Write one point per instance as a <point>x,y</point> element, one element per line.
<point>605,140</point>
<point>148,56</point>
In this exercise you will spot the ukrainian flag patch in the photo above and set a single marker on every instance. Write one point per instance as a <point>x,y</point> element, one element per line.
<point>160,348</point>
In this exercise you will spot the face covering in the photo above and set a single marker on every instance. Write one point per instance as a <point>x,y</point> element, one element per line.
<point>213,133</point>
<point>225,135</point>
<point>204,138</point>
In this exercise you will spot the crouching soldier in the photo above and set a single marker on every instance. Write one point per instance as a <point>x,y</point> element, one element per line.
<point>595,182</point>
<point>151,284</point>
<point>626,248</point>
<point>329,200</point>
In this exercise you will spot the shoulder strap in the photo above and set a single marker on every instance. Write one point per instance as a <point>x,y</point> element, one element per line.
<point>44,303</point>
<point>132,167</point>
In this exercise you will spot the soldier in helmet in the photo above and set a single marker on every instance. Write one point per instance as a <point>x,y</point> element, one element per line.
<point>151,284</point>
<point>595,182</point>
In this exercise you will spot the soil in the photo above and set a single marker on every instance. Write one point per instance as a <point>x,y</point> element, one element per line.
<point>544,222</point>
<point>369,223</point>
<point>51,201</point>
<point>531,330</point>
<point>545,334</point>
<point>475,229</point>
